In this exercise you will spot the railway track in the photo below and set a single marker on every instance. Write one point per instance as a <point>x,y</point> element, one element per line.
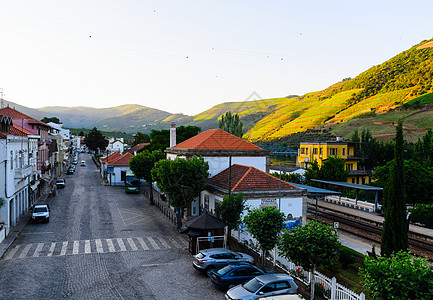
<point>419,244</point>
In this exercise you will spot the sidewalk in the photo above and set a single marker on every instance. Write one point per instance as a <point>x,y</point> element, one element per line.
<point>16,231</point>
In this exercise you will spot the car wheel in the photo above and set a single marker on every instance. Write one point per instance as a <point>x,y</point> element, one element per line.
<point>209,270</point>
<point>48,220</point>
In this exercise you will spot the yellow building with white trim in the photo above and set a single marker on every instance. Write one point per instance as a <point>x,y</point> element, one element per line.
<point>320,151</point>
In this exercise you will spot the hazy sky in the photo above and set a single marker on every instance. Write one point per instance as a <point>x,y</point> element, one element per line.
<point>187,56</point>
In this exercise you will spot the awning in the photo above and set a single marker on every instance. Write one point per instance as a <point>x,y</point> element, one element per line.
<point>46,178</point>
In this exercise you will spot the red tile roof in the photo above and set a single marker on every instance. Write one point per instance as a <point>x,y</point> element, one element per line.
<point>137,148</point>
<point>121,161</point>
<point>15,114</point>
<point>216,139</point>
<point>113,156</point>
<point>246,178</point>
<point>22,129</point>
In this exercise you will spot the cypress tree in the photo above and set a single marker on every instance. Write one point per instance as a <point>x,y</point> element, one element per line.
<point>395,225</point>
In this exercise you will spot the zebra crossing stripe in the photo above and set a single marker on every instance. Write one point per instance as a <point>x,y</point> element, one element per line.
<point>38,249</point>
<point>25,251</point>
<point>76,247</point>
<point>87,248</point>
<point>12,252</point>
<point>64,248</point>
<point>152,242</point>
<point>164,243</point>
<point>142,243</point>
<point>53,246</point>
<point>132,244</point>
<point>173,241</point>
<point>99,248</point>
<point>121,244</point>
<point>110,245</point>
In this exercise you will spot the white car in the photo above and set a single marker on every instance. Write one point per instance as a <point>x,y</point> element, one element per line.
<point>41,213</point>
<point>83,163</point>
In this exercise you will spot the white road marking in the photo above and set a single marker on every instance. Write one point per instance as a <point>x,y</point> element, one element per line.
<point>164,243</point>
<point>142,243</point>
<point>76,247</point>
<point>99,248</point>
<point>152,242</point>
<point>25,251</point>
<point>132,244</point>
<point>12,252</point>
<point>38,249</point>
<point>121,244</point>
<point>64,248</point>
<point>110,245</point>
<point>173,241</point>
<point>53,246</point>
<point>87,248</point>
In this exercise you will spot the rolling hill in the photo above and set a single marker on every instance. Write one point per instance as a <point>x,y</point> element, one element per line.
<point>401,87</point>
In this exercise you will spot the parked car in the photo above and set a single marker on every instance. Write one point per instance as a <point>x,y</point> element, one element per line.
<point>263,286</point>
<point>83,163</point>
<point>232,275</point>
<point>75,162</point>
<point>283,297</point>
<point>60,182</point>
<point>216,258</point>
<point>71,170</point>
<point>41,213</point>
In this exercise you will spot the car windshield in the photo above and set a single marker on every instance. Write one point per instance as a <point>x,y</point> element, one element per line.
<point>224,270</point>
<point>253,285</point>
<point>40,209</point>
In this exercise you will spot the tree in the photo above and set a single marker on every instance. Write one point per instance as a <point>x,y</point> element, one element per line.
<point>310,246</point>
<point>424,149</point>
<point>52,119</point>
<point>181,180</point>
<point>81,133</point>
<point>395,224</point>
<point>94,140</point>
<point>334,169</point>
<point>230,211</point>
<point>312,172</point>
<point>231,124</point>
<point>398,276</point>
<point>418,180</point>
<point>265,226</point>
<point>140,137</point>
<point>291,177</point>
<point>142,164</point>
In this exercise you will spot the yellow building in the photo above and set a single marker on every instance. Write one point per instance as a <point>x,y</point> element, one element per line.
<point>320,151</point>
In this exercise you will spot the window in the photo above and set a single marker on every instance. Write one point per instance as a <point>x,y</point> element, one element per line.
<point>302,150</point>
<point>206,202</point>
<point>306,151</point>
<point>12,160</point>
<point>315,151</point>
<point>344,151</point>
<point>282,285</point>
<point>349,167</point>
<point>320,151</point>
<point>333,151</point>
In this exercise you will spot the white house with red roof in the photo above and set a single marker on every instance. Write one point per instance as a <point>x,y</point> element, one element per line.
<point>104,162</point>
<point>118,168</point>
<point>259,189</point>
<point>218,148</point>
<point>15,174</point>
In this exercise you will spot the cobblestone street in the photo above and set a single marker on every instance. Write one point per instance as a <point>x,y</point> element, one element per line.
<point>101,243</point>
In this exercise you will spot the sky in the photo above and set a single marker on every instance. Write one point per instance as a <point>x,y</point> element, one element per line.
<point>187,56</point>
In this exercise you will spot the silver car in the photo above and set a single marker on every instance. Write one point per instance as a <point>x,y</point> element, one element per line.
<point>263,286</point>
<point>215,258</point>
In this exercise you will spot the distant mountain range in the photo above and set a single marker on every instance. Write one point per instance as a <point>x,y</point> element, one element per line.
<point>401,87</point>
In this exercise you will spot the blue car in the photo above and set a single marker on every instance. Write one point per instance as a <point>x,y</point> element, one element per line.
<point>232,275</point>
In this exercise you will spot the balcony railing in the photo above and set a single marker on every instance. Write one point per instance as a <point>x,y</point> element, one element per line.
<point>23,172</point>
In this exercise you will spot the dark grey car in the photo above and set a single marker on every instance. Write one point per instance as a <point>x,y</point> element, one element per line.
<point>216,258</point>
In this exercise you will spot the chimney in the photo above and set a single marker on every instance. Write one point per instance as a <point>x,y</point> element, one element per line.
<point>339,138</point>
<point>172,135</point>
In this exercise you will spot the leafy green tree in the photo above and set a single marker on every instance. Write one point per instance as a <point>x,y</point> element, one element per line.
<point>418,180</point>
<point>398,276</point>
<point>94,140</point>
<point>52,119</point>
<point>424,149</point>
<point>311,246</point>
<point>395,224</point>
<point>312,172</point>
<point>265,226</point>
<point>142,164</point>
<point>230,211</point>
<point>181,180</point>
<point>231,123</point>
<point>140,137</point>
<point>160,139</point>
<point>81,133</point>
<point>291,177</point>
<point>334,169</point>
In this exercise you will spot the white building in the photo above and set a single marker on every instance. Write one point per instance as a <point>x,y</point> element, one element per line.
<point>15,172</point>
<point>118,168</point>
<point>115,145</point>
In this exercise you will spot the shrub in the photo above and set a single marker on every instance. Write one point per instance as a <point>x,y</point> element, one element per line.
<point>423,214</point>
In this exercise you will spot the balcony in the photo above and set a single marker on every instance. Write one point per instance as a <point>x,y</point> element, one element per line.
<point>23,172</point>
